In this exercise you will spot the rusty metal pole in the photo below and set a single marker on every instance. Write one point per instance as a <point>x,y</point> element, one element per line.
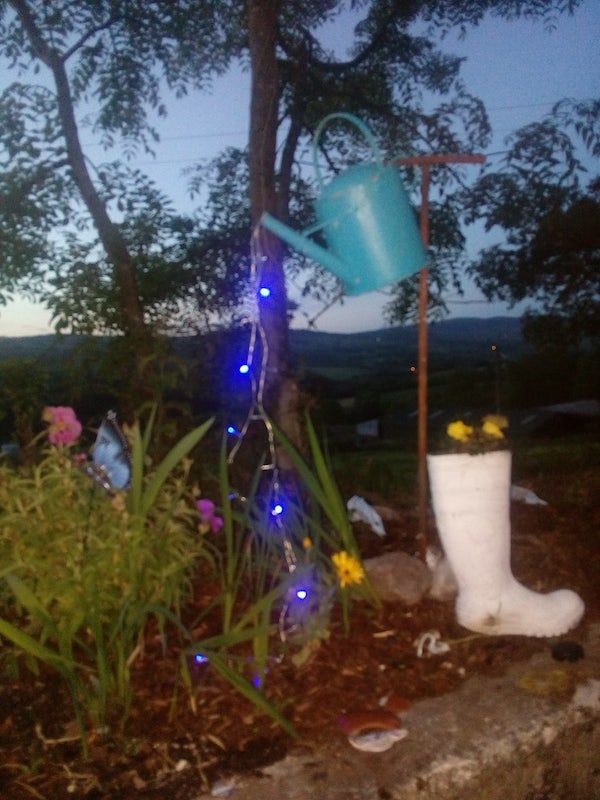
<point>425,163</point>
<point>423,367</point>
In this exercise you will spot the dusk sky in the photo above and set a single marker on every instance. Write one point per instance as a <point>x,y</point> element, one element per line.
<point>518,69</point>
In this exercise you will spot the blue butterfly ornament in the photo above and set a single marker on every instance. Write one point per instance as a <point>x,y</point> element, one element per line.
<point>110,465</point>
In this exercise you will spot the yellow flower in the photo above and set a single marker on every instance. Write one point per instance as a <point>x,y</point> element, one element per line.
<point>459,431</point>
<point>498,419</point>
<point>307,543</point>
<point>492,429</point>
<point>349,569</point>
<point>473,439</point>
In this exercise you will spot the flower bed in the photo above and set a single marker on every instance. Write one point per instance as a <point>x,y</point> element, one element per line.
<point>188,725</point>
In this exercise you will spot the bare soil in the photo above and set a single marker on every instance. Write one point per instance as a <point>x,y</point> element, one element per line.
<point>170,750</point>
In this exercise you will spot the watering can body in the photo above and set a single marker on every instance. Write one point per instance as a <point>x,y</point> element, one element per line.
<point>368,223</point>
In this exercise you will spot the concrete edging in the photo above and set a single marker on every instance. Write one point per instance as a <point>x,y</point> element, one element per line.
<point>490,739</point>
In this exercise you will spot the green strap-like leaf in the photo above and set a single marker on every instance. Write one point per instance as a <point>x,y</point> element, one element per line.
<point>168,464</point>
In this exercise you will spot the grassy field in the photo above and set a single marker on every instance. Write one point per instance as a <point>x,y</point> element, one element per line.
<point>389,473</point>
<point>392,472</point>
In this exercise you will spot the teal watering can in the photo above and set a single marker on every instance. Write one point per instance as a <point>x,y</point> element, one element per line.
<point>368,223</point>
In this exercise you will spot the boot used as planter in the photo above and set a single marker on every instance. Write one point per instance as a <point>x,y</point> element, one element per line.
<point>471,502</point>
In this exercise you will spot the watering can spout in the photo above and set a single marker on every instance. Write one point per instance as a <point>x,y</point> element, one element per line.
<point>302,243</point>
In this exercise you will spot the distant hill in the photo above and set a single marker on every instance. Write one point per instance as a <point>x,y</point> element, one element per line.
<point>349,377</point>
<point>464,340</point>
<point>465,331</point>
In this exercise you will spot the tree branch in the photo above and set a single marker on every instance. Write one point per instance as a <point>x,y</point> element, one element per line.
<point>400,9</point>
<point>40,47</point>
<point>87,36</point>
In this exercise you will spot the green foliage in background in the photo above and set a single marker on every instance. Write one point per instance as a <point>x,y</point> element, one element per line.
<point>23,387</point>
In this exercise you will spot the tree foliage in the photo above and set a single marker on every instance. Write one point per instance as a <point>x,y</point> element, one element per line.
<point>543,199</point>
<point>108,63</point>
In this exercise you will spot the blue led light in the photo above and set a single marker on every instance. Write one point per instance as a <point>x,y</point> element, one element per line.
<point>233,430</point>
<point>264,291</point>
<point>277,510</point>
<point>200,659</point>
<point>301,594</point>
<point>244,369</point>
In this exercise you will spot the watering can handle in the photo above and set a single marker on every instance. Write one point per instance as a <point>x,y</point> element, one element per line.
<point>355,121</point>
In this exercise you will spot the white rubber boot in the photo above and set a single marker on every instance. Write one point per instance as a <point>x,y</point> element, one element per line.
<point>471,502</point>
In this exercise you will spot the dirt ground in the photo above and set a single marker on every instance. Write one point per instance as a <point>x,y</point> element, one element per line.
<point>168,750</point>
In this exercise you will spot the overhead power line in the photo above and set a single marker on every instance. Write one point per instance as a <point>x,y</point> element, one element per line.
<point>180,138</point>
<point>218,134</point>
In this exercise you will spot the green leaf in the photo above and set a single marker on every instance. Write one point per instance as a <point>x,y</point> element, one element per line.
<point>33,648</point>
<point>322,485</point>
<point>245,688</point>
<point>168,464</point>
<point>26,598</point>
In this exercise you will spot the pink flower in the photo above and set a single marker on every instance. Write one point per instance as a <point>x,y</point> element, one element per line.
<point>64,427</point>
<point>208,520</point>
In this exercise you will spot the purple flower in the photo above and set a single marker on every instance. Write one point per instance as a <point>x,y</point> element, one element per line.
<point>208,520</point>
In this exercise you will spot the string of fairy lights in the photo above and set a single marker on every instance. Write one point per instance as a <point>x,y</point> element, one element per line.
<point>255,366</point>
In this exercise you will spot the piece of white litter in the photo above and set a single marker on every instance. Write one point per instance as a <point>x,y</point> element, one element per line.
<point>430,641</point>
<point>377,741</point>
<point>433,556</point>
<point>360,510</point>
<point>223,788</point>
<point>523,495</point>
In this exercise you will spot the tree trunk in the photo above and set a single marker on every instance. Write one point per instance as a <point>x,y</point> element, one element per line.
<point>113,242</point>
<point>115,246</point>
<point>281,391</point>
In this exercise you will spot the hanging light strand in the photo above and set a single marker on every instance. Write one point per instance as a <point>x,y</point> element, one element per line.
<point>255,366</point>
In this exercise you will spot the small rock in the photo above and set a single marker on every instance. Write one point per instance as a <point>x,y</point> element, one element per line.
<point>139,783</point>
<point>398,577</point>
<point>395,703</point>
<point>587,695</point>
<point>443,582</point>
<point>567,651</point>
<point>355,723</point>
<point>546,682</point>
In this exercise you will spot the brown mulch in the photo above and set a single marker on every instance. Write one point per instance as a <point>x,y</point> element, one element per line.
<point>169,749</point>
